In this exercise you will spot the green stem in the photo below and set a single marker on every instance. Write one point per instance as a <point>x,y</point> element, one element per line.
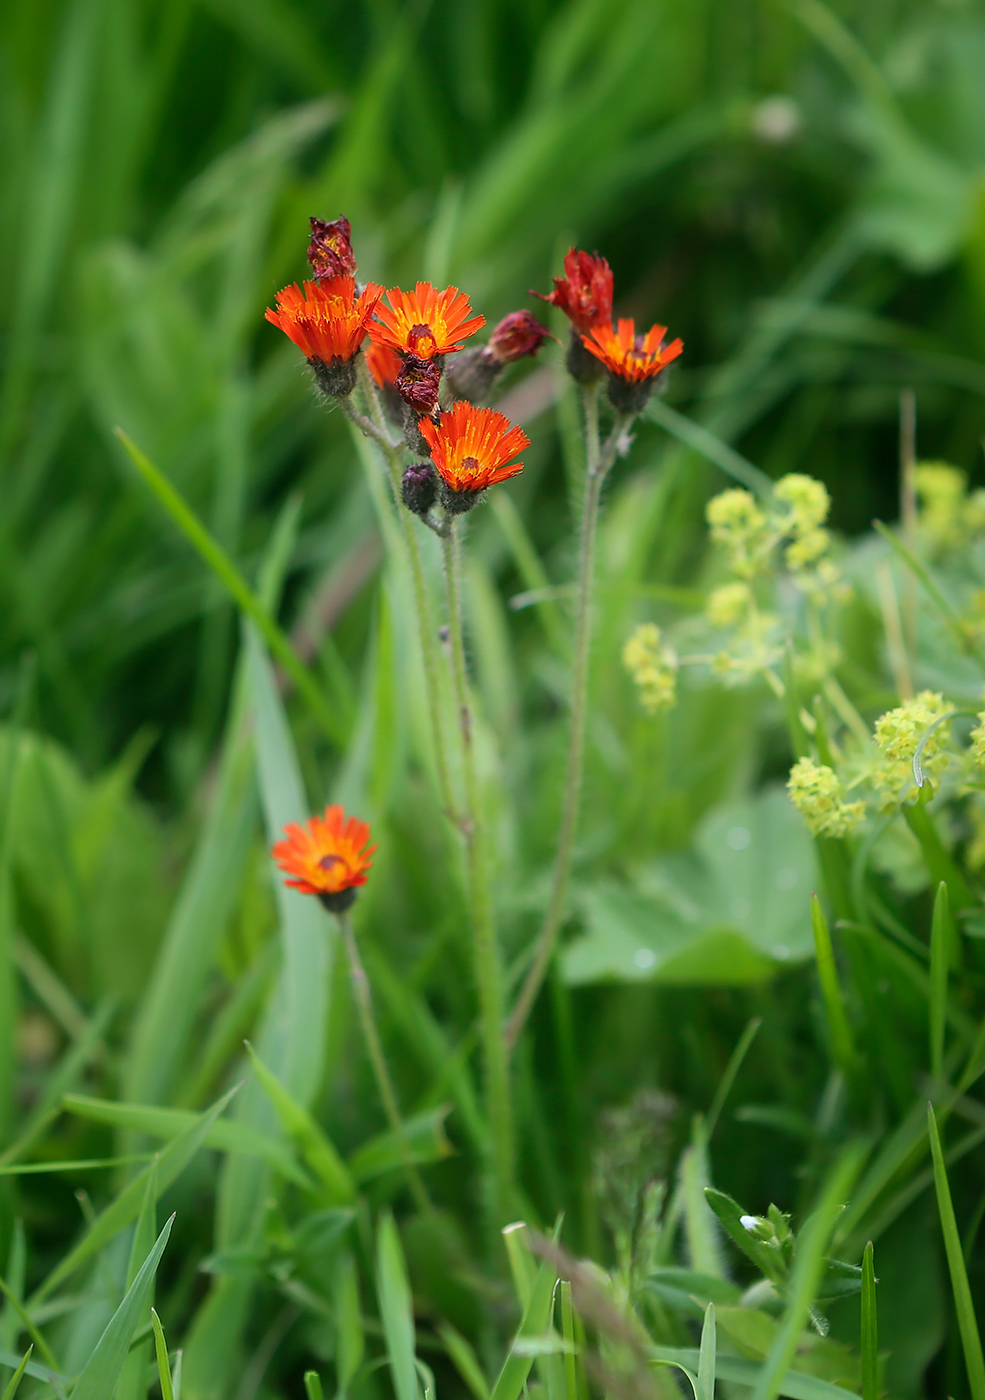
<point>488,970</point>
<point>425,621</point>
<point>598,463</point>
<point>364,1006</point>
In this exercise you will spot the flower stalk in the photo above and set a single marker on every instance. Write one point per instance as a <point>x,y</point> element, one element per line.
<point>598,462</point>
<point>374,1048</point>
<point>486,959</point>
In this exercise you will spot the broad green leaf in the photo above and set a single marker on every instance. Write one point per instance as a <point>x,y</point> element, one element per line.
<point>730,912</point>
<point>103,1368</point>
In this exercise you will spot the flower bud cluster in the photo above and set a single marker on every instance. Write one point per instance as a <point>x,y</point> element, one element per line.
<point>949,517</point>
<point>898,734</point>
<point>817,793</point>
<point>653,667</point>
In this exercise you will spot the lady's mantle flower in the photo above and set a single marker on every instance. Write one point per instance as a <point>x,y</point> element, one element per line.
<point>330,251</point>
<point>816,792</point>
<point>425,322</point>
<point>584,293</point>
<point>653,668</point>
<point>738,523</point>
<point>328,323</point>
<point>471,448</point>
<point>898,734</point>
<point>633,361</point>
<point>328,858</point>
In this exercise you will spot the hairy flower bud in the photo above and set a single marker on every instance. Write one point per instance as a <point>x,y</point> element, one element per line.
<point>419,488</point>
<point>418,383</point>
<point>517,335</point>
<point>329,251</point>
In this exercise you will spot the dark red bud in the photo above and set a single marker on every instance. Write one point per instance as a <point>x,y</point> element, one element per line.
<point>518,334</point>
<point>418,383</point>
<point>330,251</point>
<point>418,488</point>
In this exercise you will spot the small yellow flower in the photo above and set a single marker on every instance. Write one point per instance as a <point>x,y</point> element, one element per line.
<point>653,668</point>
<point>728,604</point>
<point>740,525</point>
<point>898,734</point>
<point>807,499</point>
<point>816,791</point>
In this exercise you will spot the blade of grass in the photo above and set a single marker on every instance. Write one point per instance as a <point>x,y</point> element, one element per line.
<point>839,1031</point>
<point>965,639</point>
<point>161,1353</point>
<point>706,1355</point>
<point>870,1331</point>
<point>10,1390</point>
<point>964,1307</point>
<point>396,1309</point>
<point>941,939</point>
<point>233,581</point>
<point>102,1370</point>
<point>728,1078</point>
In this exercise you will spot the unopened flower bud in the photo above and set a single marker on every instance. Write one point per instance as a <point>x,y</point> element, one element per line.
<point>418,383</point>
<point>472,374</point>
<point>329,251</point>
<point>581,364</point>
<point>419,488</point>
<point>517,335</point>
<point>337,379</point>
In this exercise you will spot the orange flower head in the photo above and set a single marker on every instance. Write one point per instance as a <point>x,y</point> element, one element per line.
<point>471,449</point>
<point>328,323</point>
<point>328,858</point>
<point>383,363</point>
<point>633,361</point>
<point>584,293</point>
<point>425,322</point>
<point>330,251</point>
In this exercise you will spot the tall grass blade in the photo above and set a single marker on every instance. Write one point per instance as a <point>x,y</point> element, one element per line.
<point>103,1368</point>
<point>870,1328</point>
<point>396,1309</point>
<point>941,939</point>
<point>964,1307</point>
<point>11,1388</point>
<point>161,1354</point>
<point>839,1031</point>
<point>706,1355</point>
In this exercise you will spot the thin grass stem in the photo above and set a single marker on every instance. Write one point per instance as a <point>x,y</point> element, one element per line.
<point>598,463</point>
<point>374,1047</point>
<point>488,968</point>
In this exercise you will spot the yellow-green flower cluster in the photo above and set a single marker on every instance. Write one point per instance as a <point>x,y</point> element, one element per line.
<point>739,524</point>
<point>817,793</point>
<point>653,668</point>
<point>898,734</point>
<point>949,517</point>
<point>728,605</point>
<point>978,742</point>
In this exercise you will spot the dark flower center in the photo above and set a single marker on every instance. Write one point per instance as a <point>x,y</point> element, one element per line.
<point>421,341</point>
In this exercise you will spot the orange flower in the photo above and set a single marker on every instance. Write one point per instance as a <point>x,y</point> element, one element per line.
<point>471,448</point>
<point>328,323</point>
<point>633,361</point>
<point>425,322</point>
<point>584,293</point>
<point>329,858</point>
<point>383,363</point>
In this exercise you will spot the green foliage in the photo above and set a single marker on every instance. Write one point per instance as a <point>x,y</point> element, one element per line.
<point>797,193</point>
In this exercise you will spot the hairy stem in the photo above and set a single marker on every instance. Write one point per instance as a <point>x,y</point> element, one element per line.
<point>364,1006</point>
<point>488,971</point>
<point>598,461</point>
<point>422,603</point>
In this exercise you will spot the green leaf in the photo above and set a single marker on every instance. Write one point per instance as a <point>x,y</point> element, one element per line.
<point>870,1329</point>
<point>351,1344</point>
<point>312,1386</point>
<point>740,1371</point>
<point>535,1321</point>
<point>396,1309</point>
<point>465,1360</point>
<point>225,1135</point>
<point>313,1144</point>
<point>161,1354</point>
<point>706,1356</point>
<point>839,1031</point>
<point>964,1307</point>
<point>102,1370</point>
<point>730,912</point>
<point>942,938</point>
<point>168,1166</point>
<point>10,1390</point>
<point>424,1136</point>
<point>731,1215</point>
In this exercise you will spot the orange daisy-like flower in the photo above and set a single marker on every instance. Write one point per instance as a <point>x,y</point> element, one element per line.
<point>471,449</point>
<point>328,858</point>
<point>383,363</point>
<point>584,293</point>
<point>328,323</point>
<point>633,361</point>
<point>425,322</point>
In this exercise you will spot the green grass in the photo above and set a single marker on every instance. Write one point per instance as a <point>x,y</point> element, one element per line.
<point>208,629</point>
